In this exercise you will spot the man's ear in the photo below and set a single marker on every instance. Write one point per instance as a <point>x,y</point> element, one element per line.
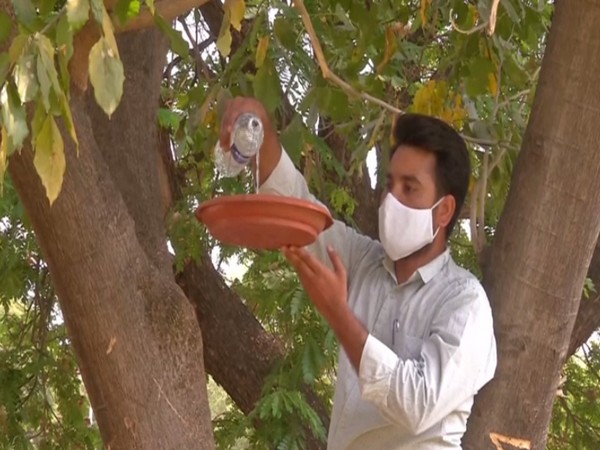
<point>445,211</point>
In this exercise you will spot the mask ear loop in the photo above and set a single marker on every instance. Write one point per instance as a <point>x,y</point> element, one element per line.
<point>432,208</point>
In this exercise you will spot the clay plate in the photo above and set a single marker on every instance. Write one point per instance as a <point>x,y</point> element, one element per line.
<point>262,221</point>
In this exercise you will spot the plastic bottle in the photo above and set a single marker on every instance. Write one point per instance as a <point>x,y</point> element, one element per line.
<point>246,139</point>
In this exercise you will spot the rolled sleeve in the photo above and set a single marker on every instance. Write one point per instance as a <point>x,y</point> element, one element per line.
<point>455,361</point>
<point>286,180</point>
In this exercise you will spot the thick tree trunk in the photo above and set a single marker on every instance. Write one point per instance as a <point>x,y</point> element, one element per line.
<point>545,238</point>
<point>133,331</point>
<point>238,352</point>
<point>138,344</point>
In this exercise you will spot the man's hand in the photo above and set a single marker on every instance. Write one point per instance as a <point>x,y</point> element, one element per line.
<point>270,152</point>
<point>328,290</point>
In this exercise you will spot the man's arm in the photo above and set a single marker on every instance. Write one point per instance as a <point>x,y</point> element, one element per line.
<point>456,360</point>
<point>279,176</point>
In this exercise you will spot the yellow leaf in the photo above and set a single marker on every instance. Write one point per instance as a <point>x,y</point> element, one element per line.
<point>435,99</point>
<point>493,84</point>
<point>261,50</point>
<point>237,9</point>
<point>3,156</point>
<point>108,31</point>
<point>390,47</point>
<point>424,12</point>
<point>49,159</point>
<point>224,40</point>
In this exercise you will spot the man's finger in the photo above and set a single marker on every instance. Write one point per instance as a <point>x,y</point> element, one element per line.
<point>338,264</point>
<point>296,261</point>
<point>312,262</point>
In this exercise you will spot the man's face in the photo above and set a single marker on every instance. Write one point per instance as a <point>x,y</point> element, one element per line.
<point>411,177</point>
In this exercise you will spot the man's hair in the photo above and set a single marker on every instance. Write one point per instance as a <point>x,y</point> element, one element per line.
<point>453,167</point>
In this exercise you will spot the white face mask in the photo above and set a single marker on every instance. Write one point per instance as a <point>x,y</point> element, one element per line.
<point>405,230</point>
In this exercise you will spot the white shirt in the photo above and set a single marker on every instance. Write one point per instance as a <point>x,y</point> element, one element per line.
<point>430,347</point>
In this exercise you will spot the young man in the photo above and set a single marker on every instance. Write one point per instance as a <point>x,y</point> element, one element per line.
<point>415,330</point>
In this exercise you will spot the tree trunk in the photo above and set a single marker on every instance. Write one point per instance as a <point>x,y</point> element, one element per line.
<point>545,238</point>
<point>138,344</point>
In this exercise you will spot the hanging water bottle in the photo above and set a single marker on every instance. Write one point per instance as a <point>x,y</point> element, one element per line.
<point>246,139</point>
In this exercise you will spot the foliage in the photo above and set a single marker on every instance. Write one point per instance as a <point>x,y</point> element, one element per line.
<point>43,403</point>
<point>432,57</point>
<point>576,422</point>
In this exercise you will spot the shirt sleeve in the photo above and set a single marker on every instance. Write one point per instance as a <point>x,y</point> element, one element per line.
<point>286,180</point>
<point>456,360</point>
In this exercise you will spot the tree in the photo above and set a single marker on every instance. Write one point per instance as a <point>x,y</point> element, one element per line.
<point>473,65</point>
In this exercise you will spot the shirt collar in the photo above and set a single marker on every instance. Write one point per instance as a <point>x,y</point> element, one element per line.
<point>426,272</point>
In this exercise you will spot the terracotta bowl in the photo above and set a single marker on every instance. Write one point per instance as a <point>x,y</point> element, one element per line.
<point>262,221</point>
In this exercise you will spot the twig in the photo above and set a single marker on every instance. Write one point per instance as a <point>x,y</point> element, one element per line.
<point>326,71</point>
<point>328,74</point>
<point>493,14</point>
<point>461,31</point>
<point>167,9</point>
<point>482,191</point>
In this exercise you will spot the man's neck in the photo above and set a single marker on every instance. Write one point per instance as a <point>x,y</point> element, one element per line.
<point>405,267</point>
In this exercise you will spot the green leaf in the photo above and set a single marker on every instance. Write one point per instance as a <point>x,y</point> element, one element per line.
<point>266,86</point>
<point>178,44</point>
<point>17,47</point>
<point>46,70</point>
<point>106,76</point>
<point>12,115</point>
<point>4,66</point>
<point>168,119</point>
<point>3,157</point>
<point>49,160</point>
<point>5,26</point>
<point>78,12</point>
<point>97,10</point>
<point>125,10</point>
<point>285,33</point>
<point>477,82</point>
<point>25,75</point>
<point>25,12</point>
<point>64,37</point>
<point>47,7</point>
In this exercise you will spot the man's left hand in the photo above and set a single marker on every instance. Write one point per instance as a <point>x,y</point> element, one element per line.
<point>327,288</point>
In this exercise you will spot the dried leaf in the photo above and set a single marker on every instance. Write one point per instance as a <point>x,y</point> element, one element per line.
<point>49,160</point>
<point>106,76</point>
<point>224,40</point>
<point>237,9</point>
<point>261,50</point>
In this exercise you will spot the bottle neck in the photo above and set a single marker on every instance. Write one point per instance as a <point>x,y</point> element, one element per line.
<point>238,156</point>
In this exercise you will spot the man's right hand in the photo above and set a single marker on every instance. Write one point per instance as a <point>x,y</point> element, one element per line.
<point>270,152</point>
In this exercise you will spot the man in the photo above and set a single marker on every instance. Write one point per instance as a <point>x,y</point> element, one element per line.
<point>415,330</point>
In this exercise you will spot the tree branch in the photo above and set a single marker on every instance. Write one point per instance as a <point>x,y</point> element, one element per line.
<point>167,9</point>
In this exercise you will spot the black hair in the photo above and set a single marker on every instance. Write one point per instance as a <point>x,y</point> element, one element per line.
<point>453,166</point>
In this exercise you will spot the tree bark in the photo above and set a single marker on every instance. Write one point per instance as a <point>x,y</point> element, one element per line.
<point>238,352</point>
<point>138,344</point>
<point>545,238</point>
